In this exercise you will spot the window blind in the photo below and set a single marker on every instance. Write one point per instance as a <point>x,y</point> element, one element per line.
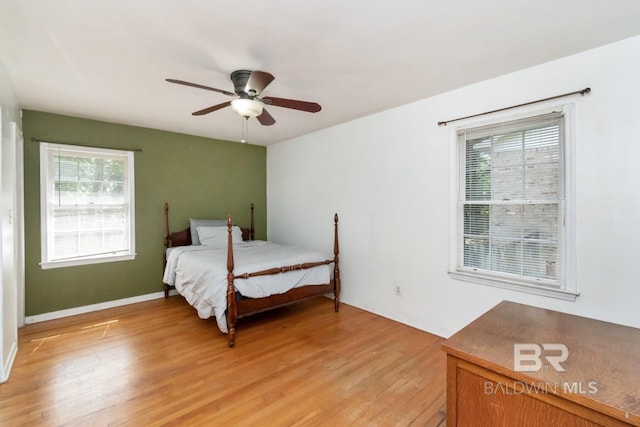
<point>510,198</point>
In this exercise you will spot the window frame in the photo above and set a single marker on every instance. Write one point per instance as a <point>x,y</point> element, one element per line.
<point>46,192</point>
<point>567,287</point>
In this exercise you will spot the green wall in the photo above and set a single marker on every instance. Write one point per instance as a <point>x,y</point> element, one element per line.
<point>198,177</point>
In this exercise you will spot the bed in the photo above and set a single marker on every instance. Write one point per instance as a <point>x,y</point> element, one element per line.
<point>222,271</point>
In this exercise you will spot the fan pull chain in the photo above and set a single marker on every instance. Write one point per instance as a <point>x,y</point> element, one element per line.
<point>245,131</point>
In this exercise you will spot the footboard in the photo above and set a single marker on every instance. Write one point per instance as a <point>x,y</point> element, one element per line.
<point>244,307</point>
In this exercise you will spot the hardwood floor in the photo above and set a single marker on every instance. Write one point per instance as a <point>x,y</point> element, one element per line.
<point>156,363</point>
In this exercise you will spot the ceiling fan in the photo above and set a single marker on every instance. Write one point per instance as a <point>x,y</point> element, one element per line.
<point>248,85</point>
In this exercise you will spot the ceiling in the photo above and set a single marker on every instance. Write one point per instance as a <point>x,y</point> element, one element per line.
<point>108,59</point>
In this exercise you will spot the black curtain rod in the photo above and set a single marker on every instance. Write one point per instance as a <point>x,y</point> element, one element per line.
<point>580,92</point>
<point>138,150</point>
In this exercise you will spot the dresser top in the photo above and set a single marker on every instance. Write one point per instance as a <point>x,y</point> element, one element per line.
<point>584,360</point>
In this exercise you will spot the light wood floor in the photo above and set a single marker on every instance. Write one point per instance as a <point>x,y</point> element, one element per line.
<point>157,363</point>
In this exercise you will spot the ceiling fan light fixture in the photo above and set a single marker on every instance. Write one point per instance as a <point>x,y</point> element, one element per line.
<point>248,86</point>
<point>247,107</point>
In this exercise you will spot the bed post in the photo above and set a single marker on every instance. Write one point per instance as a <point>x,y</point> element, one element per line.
<point>336,267</point>
<point>231,293</point>
<point>166,244</point>
<point>252,231</point>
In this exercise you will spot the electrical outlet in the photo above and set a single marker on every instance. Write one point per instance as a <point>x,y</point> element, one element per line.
<point>398,290</point>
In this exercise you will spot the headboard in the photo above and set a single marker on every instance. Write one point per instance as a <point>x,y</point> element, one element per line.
<point>183,237</point>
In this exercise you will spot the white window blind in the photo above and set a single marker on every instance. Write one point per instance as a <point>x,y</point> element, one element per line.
<point>87,205</point>
<point>511,202</point>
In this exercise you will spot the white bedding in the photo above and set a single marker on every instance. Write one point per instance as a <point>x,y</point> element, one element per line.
<point>199,273</point>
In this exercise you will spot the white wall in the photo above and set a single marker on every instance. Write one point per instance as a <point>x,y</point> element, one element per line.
<point>11,242</point>
<point>387,175</point>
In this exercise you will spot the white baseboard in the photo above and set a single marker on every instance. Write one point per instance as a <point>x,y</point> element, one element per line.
<point>6,369</point>
<point>427,327</point>
<point>94,307</point>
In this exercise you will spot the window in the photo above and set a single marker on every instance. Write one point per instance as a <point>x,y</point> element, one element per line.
<point>87,205</point>
<point>511,226</point>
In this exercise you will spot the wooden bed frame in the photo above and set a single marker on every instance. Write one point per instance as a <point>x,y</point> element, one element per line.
<point>237,306</point>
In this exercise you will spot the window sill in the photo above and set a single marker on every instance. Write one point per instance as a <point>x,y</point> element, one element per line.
<point>504,283</point>
<point>86,261</point>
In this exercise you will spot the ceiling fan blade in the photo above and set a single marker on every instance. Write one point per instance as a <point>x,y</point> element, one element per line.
<point>211,109</point>
<point>265,118</point>
<point>310,107</point>
<point>257,81</point>
<point>182,82</point>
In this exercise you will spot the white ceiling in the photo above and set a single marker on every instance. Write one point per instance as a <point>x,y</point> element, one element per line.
<point>107,59</point>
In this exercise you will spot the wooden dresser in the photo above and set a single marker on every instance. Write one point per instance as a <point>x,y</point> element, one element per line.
<point>493,382</point>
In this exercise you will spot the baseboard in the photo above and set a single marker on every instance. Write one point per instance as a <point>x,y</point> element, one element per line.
<point>94,307</point>
<point>6,369</point>
<point>423,326</point>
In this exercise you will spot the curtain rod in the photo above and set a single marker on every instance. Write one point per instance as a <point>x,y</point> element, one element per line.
<point>138,150</point>
<point>581,92</point>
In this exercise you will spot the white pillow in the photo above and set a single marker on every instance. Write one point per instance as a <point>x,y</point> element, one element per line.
<point>218,236</point>
<point>195,223</point>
